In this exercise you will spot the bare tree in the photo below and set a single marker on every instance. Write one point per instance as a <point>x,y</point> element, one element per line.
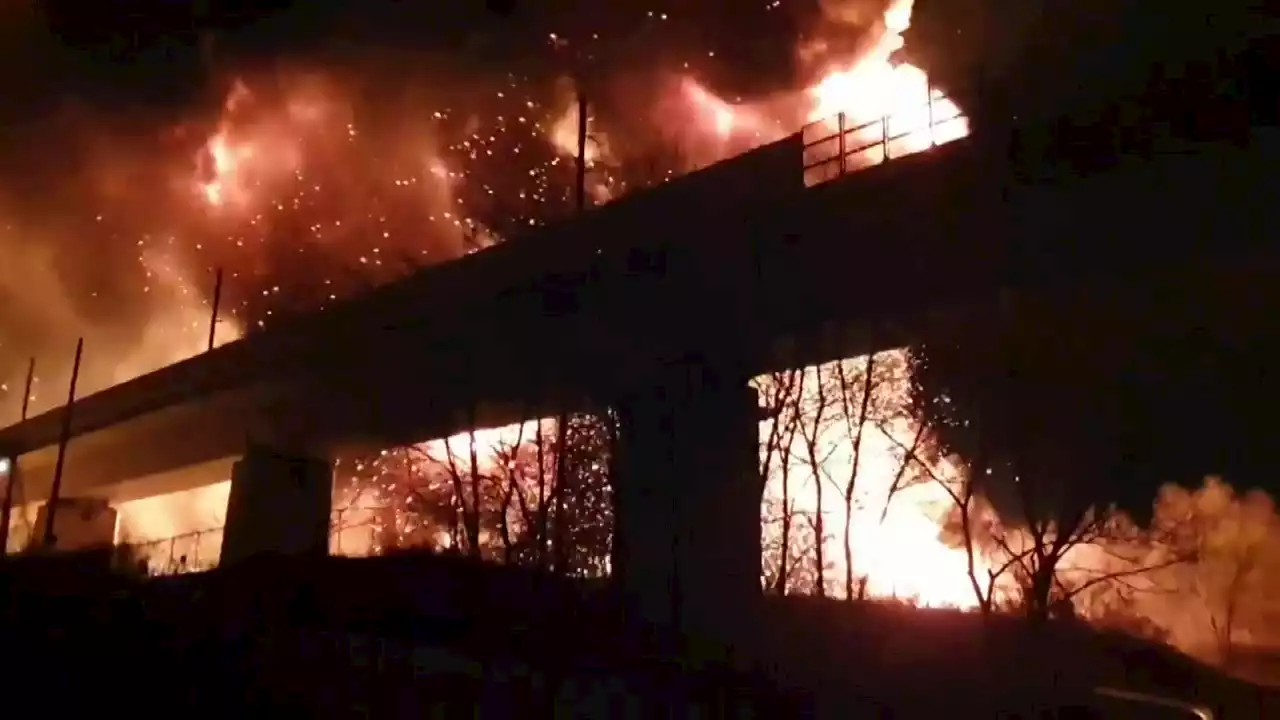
<point>1050,558</point>
<point>813,413</point>
<point>909,472</point>
<point>509,477</point>
<point>1233,541</point>
<point>967,522</point>
<point>778,393</point>
<point>501,502</point>
<point>464,476</point>
<point>533,492</point>
<point>397,498</point>
<point>545,498</point>
<point>1049,580</point>
<point>855,401</point>
<point>584,501</point>
<point>1023,396</point>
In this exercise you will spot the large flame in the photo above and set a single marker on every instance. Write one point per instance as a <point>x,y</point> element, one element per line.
<point>299,203</point>
<point>265,160</point>
<point>895,527</point>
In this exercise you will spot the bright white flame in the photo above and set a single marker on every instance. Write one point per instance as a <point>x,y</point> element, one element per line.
<point>177,531</point>
<point>894,530</point>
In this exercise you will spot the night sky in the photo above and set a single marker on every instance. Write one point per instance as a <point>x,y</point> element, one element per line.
<point>152,54</point>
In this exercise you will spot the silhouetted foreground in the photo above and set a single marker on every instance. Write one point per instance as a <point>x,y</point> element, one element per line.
<point>411,635</point>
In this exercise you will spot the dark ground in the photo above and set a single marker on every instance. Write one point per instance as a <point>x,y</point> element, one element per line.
<point>401,636</point>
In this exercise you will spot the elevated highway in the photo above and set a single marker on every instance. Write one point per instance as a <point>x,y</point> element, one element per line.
<point>750,263</point>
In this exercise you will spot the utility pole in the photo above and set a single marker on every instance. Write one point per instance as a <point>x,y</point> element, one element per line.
<point>26,395</point>
<point>558,552</point>
<point>217,301</point>
<point>8,469</point>
<point>51,509</point>
<point>581,181</point>
<point>10,474</point>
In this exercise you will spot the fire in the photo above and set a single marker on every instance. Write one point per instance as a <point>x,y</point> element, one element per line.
<point>300,169</point>
<point>724,118</point>
<point>181,332</point>
<point>564,135</point>
<point>895,532</point>
<point>176,532</point>
<point>227,162</point>
<point>916,115</point>
<point>895,527</point>
<point>882,102</point>
<point>245,153</point>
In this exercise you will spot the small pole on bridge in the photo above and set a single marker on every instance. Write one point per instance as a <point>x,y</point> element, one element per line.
<point>884,138</point>
<point>840,148</point>
<point>217,301</point>
<point>562,417</point>
<point>928,89</point>
<point>11,474</point>
<point>581,184</point>
<point>64,439</point>
<point>26,394</point>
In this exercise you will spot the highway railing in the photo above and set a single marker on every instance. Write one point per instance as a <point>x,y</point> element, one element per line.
<point>836,146</point>
<point>185,553</point>
<point>351,532</point>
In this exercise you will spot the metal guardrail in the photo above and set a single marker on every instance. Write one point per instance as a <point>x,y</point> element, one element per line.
<point>177,555</point>
<point>198,551</point>
<point>844,149</point>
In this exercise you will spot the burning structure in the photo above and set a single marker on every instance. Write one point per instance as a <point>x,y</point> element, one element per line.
<point>302,195</point>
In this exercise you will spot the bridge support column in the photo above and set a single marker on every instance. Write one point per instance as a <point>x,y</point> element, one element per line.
<point>687,502</point>
<point>279,504</point>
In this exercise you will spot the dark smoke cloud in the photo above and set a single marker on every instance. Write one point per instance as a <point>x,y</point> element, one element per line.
<point>1045,57</point>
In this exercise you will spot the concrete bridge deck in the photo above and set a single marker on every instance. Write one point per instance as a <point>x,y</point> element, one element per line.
<point>740,262</point>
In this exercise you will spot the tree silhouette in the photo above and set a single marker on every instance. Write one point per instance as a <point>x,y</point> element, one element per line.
<point>1228,593</point>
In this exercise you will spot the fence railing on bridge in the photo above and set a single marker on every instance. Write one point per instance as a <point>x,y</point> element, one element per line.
<point>351,532</point>
<point>839,145</point>
<point>189,552</point>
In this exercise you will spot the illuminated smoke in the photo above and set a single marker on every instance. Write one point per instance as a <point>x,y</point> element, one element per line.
<point>305,194</point>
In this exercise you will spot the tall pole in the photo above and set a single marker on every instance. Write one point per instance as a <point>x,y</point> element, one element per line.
<point>51,509</point>
<point>217,301</point>
<point>562,417</point>
<point>840,148</point>
<point>581,184</point>
<point>11,477</point>
<point>928,89</point>
<point>26,395</point>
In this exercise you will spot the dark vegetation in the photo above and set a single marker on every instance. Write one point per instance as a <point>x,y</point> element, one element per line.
<point>409,633</point>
